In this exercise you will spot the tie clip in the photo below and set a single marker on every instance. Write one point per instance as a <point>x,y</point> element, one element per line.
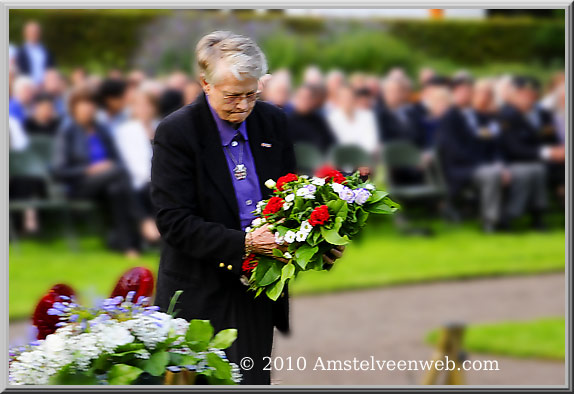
<point>265,145</point>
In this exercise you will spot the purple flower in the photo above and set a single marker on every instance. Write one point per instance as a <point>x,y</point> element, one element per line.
<point>361,195</point>
<point>347,194</point>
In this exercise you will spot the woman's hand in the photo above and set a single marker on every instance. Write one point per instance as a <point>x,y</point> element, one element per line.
<point>333,254</point>
<point>262,241</point>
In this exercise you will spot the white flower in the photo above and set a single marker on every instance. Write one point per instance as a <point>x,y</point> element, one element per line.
<point>318,181</point>
<point>270,183</point>
<point>279,239</point>
<point>248,229</point>
<point>337,187</point>
<point>290,236</point>
<point>260,206</point>
<point>257,222</point>
<point>302,192</point>
<point>305,176</point>
<point>370,186</point>
<point>287,255</point>
<point>306,227</point>
<point>287,205</point>
<point>290,197</point>
<point>301,236</point>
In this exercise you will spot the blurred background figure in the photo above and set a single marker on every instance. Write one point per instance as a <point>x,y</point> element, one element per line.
<point>20,104</point>
<point>134,142</point>
<point>33,58</point>
<point>44,119</point>
<point>351,124</point>
<point>529,144</point>
<point>87,161</point>
<point>112,100</point>
<point>305,123</point>
<point>55,86</point>
<point>191,91</point>
<point>313,76</point>
<point>334,80</point>
<point>278,90</point>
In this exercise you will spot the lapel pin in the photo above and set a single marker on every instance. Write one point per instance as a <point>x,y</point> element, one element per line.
<point>266,145</point>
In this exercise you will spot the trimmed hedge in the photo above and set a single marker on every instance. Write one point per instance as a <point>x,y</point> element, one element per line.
<point>95,39</point>
<point>104,39</point>
<point>472,42</point>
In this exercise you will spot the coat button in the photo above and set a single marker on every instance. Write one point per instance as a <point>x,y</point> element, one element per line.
<point>221,265</point>
<point>283,294</point>
<point>229,267</point>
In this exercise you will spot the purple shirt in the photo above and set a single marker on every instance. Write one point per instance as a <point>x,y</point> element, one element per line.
<point>247,190</point>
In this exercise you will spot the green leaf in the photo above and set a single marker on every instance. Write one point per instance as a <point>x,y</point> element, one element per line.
<point>199,334</point>
<point>333,237</point>
<point>173,301</point>
<point>69,376</point>
<point>287,272</point>
<point>272,274</point>
<point>275,290</point>
<point>362,217</point>
<point>384,206</point>
<point>343,211</point>
<point>277,252</point>
<point>335,206</point>
<point>304,254</point>
<point>224,338</point>
<point>377,196</point>
<point>222,368</point>
<point>123,374</point>
<point>156,364</point>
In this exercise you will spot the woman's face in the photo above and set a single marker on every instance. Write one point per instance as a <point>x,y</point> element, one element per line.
<point>142,107</point>
<point>232,99</point>
<point>84,112</point>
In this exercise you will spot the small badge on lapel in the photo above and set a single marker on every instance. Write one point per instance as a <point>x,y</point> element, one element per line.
<point>266,145</point>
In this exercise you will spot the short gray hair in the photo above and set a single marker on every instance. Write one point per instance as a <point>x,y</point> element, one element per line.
<point>241,55</point>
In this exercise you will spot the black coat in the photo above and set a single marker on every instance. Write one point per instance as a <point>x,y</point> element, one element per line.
<point>197,216</point>
<point>521,141</point>
<point>312,129</point>
<point>393,128</point>
<point>25,65</point>
<point>457,146</point>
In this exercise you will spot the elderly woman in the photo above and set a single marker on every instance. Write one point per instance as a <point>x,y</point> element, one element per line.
<point>211,159</point>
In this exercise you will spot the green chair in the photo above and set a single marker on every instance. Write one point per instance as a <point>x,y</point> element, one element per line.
<point>308,158</point>
<point>403,154</point>
<point>348,158</point>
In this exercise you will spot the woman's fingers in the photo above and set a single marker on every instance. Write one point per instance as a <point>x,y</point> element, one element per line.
<point>336,253</point>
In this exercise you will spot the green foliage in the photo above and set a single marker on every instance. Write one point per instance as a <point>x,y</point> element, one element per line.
<point>476,42</point>
<point>123,374</point>
<point>224,339</point>
<point>542,338</point>
<point>95,39</point>
<point>199,334</point>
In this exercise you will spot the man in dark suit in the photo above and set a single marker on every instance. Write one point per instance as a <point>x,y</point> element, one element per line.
<point>469,149</point>
<point>33,58</point>
<point>211,160</point>
<point>527,147</point>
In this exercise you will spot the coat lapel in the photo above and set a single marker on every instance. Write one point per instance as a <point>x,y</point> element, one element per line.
<point>266,150</point>
<point>214,158</point>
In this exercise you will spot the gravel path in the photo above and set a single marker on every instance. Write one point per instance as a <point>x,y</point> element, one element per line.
<point>391,323</point>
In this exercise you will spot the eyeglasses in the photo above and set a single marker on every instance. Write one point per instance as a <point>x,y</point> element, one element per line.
<point>236,98</point>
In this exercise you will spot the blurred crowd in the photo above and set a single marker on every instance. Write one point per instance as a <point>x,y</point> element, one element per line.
<point>498,141</point>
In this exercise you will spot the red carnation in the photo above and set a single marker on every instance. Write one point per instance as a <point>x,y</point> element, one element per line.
<point>319,216</point>
<point>329,173</point>
<point>249,263</point>
<point>273,206</point>
<point>286,179</point>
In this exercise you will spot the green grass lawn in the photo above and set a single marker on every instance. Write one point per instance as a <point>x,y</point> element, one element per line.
<point>543,338</point>
<point>382,257</point>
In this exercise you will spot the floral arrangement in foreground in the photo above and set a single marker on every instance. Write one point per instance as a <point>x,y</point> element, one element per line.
<point>119,342</point>
<point>310,216</point>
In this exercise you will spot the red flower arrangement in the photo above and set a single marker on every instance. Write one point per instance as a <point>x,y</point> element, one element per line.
<point>286,179</point>
<point>138,279</point>
<point>44,322</point>
<point>328,173</point>
<point>273,206</point>
<point>319,216</point>
<point>249,263</point>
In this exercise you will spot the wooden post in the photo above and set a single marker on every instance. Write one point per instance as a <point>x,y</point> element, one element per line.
<point>449,344</point>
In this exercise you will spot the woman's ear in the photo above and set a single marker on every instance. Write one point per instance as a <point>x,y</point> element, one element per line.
<point>204,85</point>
